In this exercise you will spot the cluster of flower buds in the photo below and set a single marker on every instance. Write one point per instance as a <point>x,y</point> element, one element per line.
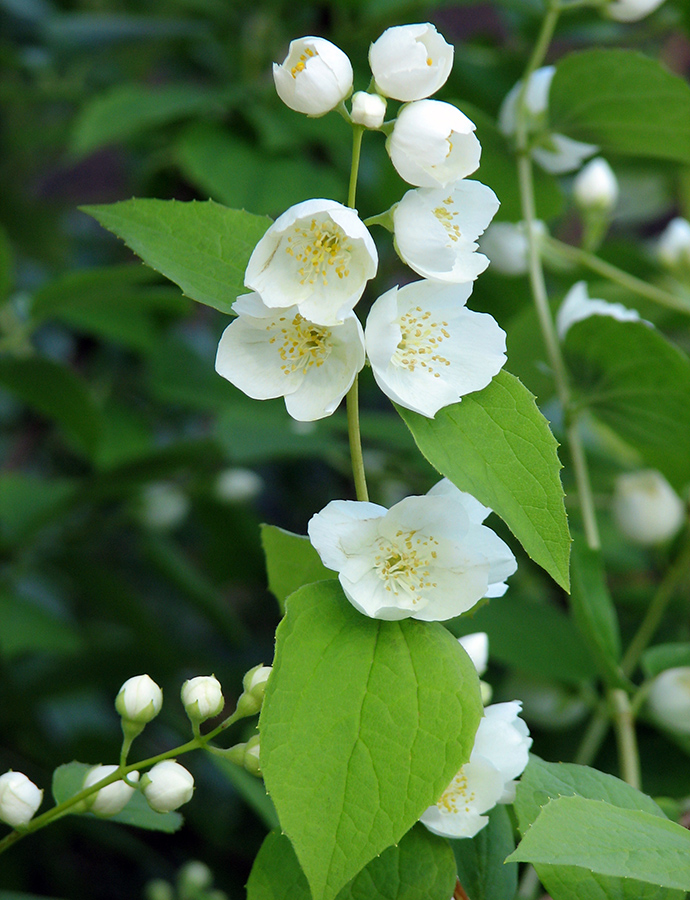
<point>296,334</point>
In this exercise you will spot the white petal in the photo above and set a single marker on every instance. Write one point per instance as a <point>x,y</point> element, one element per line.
<point>577,306</point>
<point>476,646</point>
<point>340,522</point>
<point>410,62</point>
<point>478,787</point>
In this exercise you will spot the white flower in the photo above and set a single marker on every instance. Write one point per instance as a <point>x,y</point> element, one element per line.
<point>506,245</point>
<point>319,256</point>
<point>19,799</point>
<point>139,699</point>
<point>669,699</point>
<point>673,248</point>
<point>557,153</point>
<point>164,506</point>
<point>476,646</point>
<point>595,186</point>
<point>433,144</point>
<point>631,10</point>
<point>167,785</point>
<point>238,485</point>
<point>427,350</point>
<point>202,697</point>
<point>500,754</point>
<point>279,353</point>
<point>577,306</point>
<point>368,109</point>
<point>436,230</point>
<point>646,508</point>
<point>113,798</point>
<point>410,62</point>
<point>314,77</point>
<point>424,558</point>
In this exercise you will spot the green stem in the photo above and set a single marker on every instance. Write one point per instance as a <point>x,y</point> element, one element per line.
<point>618,276</point>
<point>357,133</point>
<point>354,436</point>
<point>626,740</point>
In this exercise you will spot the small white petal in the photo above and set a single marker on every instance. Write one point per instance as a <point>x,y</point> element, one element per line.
<point>410,62</point>
<point>368,109</point>
<point>314,77</point>
<point>673,248</point>
<point>562,154</point>
<point>476,645</point>
<point>631,10</point>
<point>577,306</point>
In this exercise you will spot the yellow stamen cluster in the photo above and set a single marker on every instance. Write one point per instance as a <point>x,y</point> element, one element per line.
<point>303,344</point>
<point>446,216</point>
<point>322,249</point>
<point>456,795</point>
<point>404,563</point>
<point>302,63</point>
<point>419,342</point>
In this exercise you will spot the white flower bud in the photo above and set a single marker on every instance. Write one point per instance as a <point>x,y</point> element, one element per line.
<point>19,799</point>
<point>433,144</point>
<point>315,76</point>
<point>164,506</point>
<point>202,697</point>
<point>252,752</point>
<point>113,798</point>
<point>368,109</point>
<point>410,62</point>
<point>476,646</point>
<point>631,10</point>
<point>506,245</point>
<point>195,876</point>
<point>254,682</point>
<point>646,508</point>
<point>238,485</point>
<point>669,699</point>
<point>596,187</point>
<point>167,785</point>
<point>139,700</point>
<point>673,248</point>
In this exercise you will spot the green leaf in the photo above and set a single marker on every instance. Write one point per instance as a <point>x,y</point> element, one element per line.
<point>665,656</point>
<point>623,843</point>
<point>203,247</point>
<point>593,609</point>
<point>420,867</point>
<point>57,393</point>
<point>363,727</point>
<point>624,102</point>
<point>68,780</point>
<point>26,628</point>
<point>496,445</point>
<point>291,562</point>
<point>128,109</point>
<point>638,384</point>
<point>482,870</point>
<point>28,502</point>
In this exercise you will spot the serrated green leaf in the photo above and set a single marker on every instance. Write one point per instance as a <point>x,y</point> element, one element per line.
<point>665,656</point>
<point>624,102</point>
<point>496,445</point>
<point>363,726</point>
<point>619,843</point>
<point>291,562</point>
<point>203,247</point>
<point>420,867</point>
<point>638,384</point>
<point>56,392</point>
<point>482,870</point>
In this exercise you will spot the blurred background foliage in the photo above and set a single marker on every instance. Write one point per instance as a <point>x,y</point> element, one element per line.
<point>133,479</point>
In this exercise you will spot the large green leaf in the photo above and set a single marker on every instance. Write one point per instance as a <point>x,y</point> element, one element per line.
<point>27,502</point>
<point>599,837</point>
<point>482,870</point>
<point>26,628</point>
<point>363,726</point>
<point>624,102</point>
<point>420,867</point>
<point>638,384</point>
<point>496,445</point>
<point>291,561</point>
<point>203,247</point>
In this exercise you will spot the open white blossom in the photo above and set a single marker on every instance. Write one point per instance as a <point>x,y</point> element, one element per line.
<point>506,245</point>
<point>314,77</point>
<point>278,353</point>
<point>410,62</point>
<point>500,754</point>
<point>318,256</point>
<point>436,230</point>
<point>577,306</point>
<point>630,10</point>
<point>595,186</point>
<point>113,798</point>
<point>433,144</point>
<point>556,153</point>
<point>427,350</point>
<point>19,799</point>
<point>668,700</point>
<point>646,508</point>
<point>422,559</point>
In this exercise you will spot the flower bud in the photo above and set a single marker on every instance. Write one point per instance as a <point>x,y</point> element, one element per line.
<point>368,109</point>
<point>164,506</point>
<point>506,245</point>
<point>410,62</point>
<point>238,485</point>
<point>631,10</point>
<point>646,508</point>
<point>251,755</point>
<point>158,889</point>
<point>194,876</point>
<point>668,699</point>
<point>139,700</point>
<point>254,684</point>
<point>19,799</point>
<point>202,697</point>
<point>113,798</point>
<point>314,77</point>
<point>167,786</point>
<point>476,646</point>
<point>673,248</point>
<point>596,187</point>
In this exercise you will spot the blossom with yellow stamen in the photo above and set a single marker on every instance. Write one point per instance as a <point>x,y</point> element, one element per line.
<point>318,255</point>
<point>314,77</point>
